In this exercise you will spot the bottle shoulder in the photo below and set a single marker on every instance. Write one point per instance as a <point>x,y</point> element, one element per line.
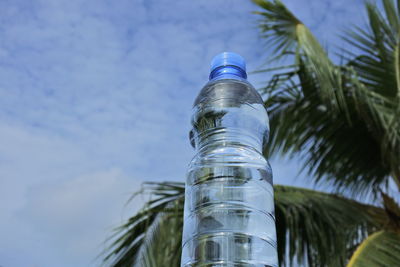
<point>240,90</point>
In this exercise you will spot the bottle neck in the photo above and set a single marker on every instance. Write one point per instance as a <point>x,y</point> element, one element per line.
<point>228,72</point>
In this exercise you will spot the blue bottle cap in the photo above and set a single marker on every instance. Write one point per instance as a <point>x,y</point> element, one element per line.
<point>228,59</point>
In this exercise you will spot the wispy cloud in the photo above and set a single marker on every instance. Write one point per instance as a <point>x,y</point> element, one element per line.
<point>77,214</point>
<point>57,200</point>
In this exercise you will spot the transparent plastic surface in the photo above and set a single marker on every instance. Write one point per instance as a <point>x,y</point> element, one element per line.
<point>229,210</point>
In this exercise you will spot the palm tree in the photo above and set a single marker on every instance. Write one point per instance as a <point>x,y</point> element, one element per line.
<point>343,120</point>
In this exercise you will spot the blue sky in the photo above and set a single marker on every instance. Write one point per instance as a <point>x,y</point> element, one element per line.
<point>95,98</point>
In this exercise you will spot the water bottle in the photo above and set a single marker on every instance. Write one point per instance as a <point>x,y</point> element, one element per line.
<point>229,205</point>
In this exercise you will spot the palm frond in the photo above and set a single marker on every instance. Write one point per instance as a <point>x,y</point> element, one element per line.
<point>163,242</point>
<point>320,228</point>
<point>147,233</point>
<point>289,36</point>
<point>393,213</point>
<point>344,120</point>
<point>379,249</point>
<point>378,70</point>
<point>311,226</point>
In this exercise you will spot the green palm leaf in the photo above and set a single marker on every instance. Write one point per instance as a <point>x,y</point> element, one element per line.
<point>342,119</point>
<point>320,228</point>
<point>312,226</point>
<point>145,239</point>
<point>379,249</point>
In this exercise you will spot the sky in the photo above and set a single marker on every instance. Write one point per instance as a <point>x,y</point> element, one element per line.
<point>95,99</point>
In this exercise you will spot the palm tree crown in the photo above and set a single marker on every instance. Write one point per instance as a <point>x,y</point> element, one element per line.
<point>342,118</point>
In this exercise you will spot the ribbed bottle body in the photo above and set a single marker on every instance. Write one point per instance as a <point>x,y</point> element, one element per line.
<point>229,208</point>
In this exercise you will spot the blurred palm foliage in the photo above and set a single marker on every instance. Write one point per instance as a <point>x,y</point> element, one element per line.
<point>342,119</point>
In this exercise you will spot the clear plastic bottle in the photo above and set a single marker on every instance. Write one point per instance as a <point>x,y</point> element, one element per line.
<point>229,205</point>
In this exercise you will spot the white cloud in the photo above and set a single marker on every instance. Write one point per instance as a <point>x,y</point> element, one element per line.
<point>57,201</point>
<point>80,212</point>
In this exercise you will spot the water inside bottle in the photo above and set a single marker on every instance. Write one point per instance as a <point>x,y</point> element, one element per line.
<point>229,210</point>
